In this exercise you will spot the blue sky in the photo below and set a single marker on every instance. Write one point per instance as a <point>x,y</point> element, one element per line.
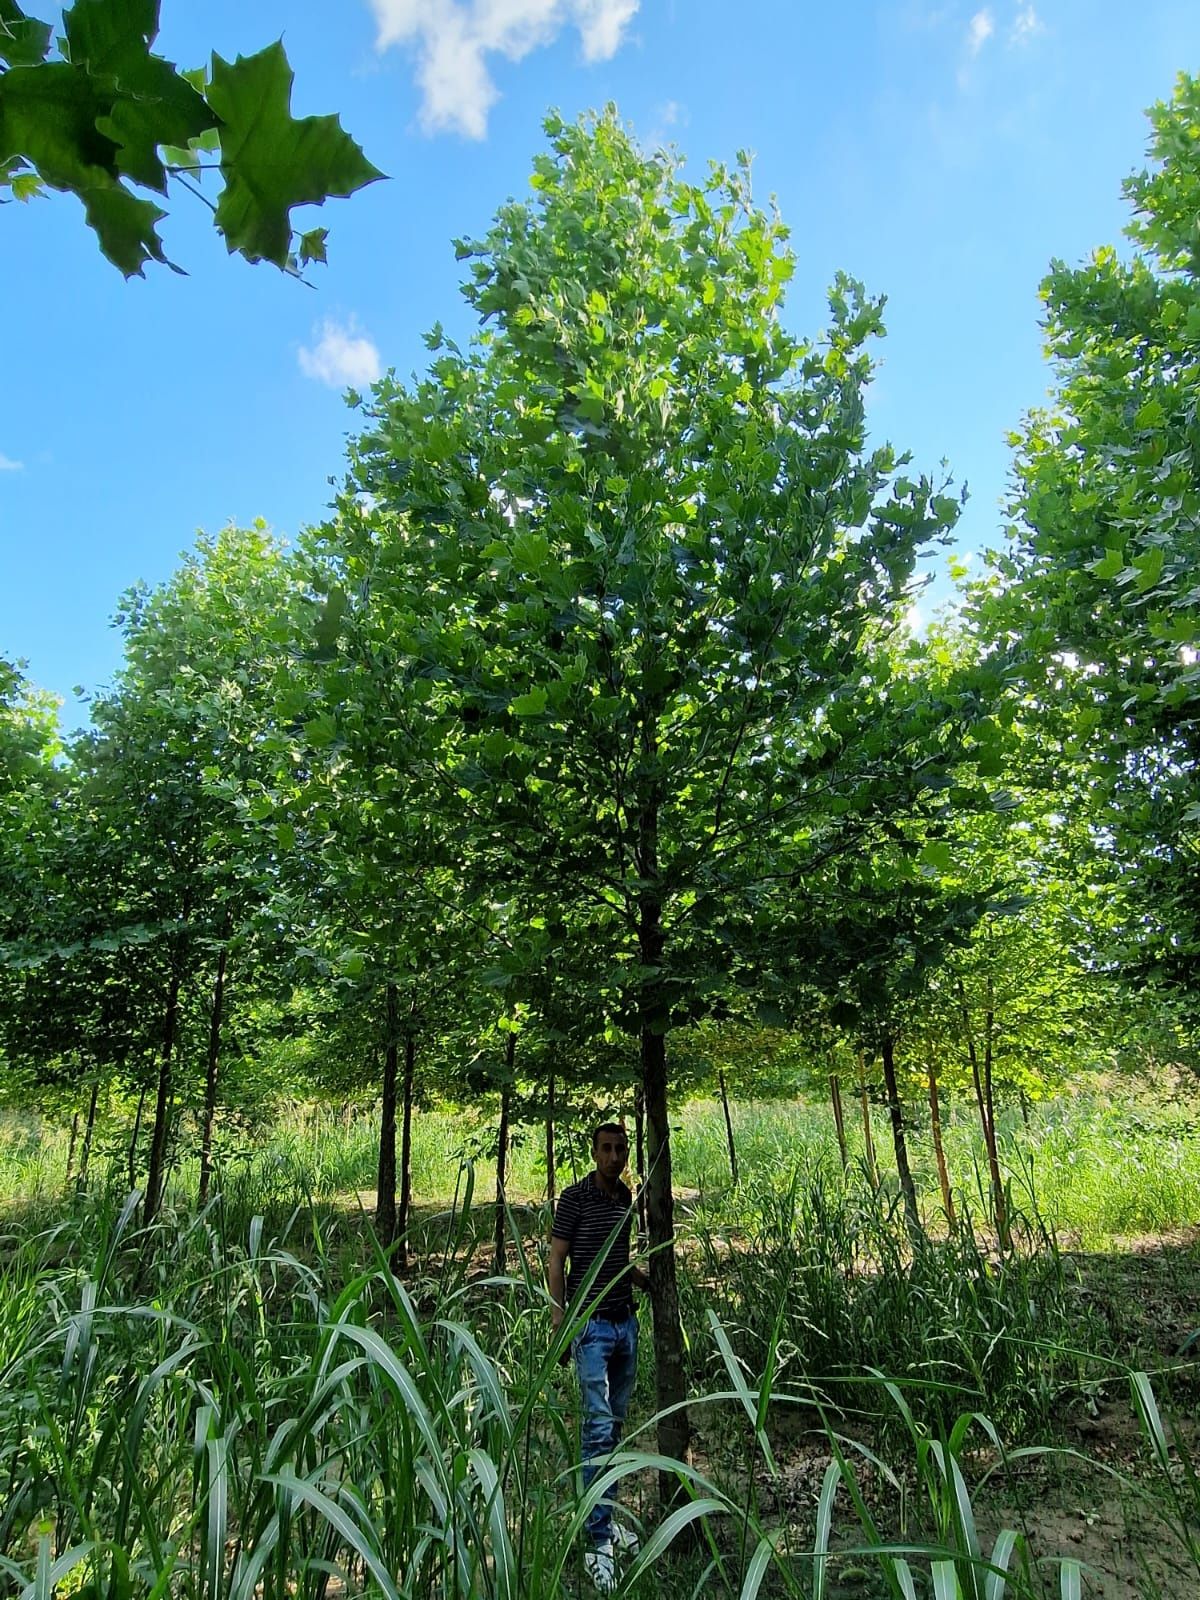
<point>942,152</point>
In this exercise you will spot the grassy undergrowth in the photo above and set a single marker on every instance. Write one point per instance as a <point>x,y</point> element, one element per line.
<point>1098,1169</point>
<point>247,1403</point>
<point>206,1410</point>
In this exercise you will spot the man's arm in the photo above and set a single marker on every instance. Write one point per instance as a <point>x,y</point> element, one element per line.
<point>557,1280</point>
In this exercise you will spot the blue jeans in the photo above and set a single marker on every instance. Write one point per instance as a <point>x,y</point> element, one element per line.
<point>606,1361</point>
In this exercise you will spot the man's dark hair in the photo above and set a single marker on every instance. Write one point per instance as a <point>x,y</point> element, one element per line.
<point>607,1127</point>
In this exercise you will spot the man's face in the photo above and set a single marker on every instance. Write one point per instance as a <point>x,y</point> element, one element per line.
<point>610,1152</point>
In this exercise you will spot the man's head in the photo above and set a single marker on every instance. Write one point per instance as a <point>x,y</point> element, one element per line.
<point>610,1150</point>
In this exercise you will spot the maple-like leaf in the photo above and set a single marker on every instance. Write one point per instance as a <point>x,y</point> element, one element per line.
<point>272,161</point>
<point>151,102</point>
<point>23,40</point>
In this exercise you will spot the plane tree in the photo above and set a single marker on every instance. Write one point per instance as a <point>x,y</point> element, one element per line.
<point>637,560</point>
<point>1096,593</point>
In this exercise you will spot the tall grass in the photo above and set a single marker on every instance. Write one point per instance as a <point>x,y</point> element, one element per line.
<point>220,1414</point>
<point>1096,1170</point>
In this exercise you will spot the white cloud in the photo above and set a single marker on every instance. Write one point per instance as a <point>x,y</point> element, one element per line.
<point>340,356</point>
<point>979,31</point>
<point>7,464</point>
<point>453,39</point>
<point>1025,24</point>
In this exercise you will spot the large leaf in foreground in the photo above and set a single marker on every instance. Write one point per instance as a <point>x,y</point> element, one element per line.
<point>272,161</point>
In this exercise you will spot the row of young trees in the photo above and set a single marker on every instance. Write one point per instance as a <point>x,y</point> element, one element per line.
<point>583,753</point>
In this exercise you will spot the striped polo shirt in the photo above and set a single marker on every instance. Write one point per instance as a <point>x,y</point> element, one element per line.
<point>587,1218</point>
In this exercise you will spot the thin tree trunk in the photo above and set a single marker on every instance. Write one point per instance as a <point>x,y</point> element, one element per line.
<point>939,1150</point>
<point>85,1155</point>
<point>406,1109</point>
<point>501,1252</point>
<point>133,1141</point>
<point>674,1429</point>
<point>868,1134</point>
<point>981,1080</point>
<point>908,1189</point>
<point>71,1145</point>
<point>639,1154</point>
<point>733,1161</point>
<point>550,1178</point>
<point>989,1034</point>
<point>156,1169</point>
<point>839,1119</point>
<point>212,1067</point>
<point>385,1184</point>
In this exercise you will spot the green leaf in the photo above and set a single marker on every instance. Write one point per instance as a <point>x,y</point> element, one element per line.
<point>312,245</point>
<point>1110,565</point>
<point>937,856</point>
<point>272,161</point>
<point>23,40</point>
<point>329,625</point>
<point>151,103</point>
<point>529,705</point>
<point>48,114</point>
<point>1148,567</point>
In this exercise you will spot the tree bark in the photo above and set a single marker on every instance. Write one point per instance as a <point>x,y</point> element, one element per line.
<point>85,1155</point>
<point>908,1189</point>
<point>639,1154</point>
<point>212,1068</point>
<point>156,1170</point>
<point>981,1078</point>
<point>550,1177</point>
<point>501,1252</point>
<point>71,1145</point>
<point>404,1215</point>
<point>674,1429</point>
<point>868,1134</point>
<point>839,1119</point>
<point>733,1161</point>
<point>989,1034</point>
<point>935,1128</point>
<point>133,1140</point>
<point>385,1184</point>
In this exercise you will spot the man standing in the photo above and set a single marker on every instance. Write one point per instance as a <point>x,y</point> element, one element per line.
<point>593,1219</point>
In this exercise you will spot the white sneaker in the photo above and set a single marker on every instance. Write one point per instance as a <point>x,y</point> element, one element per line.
<point>598,1564</point>
<point>625,1539</point>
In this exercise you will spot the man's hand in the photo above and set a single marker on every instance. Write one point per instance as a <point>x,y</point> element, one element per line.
<point>640,1279</point>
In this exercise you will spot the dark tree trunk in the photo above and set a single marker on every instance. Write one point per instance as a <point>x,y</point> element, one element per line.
<point>133,1140</point>
<point>639,1154</point>
<point>908,1189</point>
<point>939,1150</point>
<point>156,1170</point>
<point>501,1252</point>
<point>550,1181</point>
<point>212,1068</point>
<point>385,1185</point>
<point>981,1078</point>
<point>71,1145</point>
<point>85,1155</point>
<point>839,1119</point>
<point>733,1164</point>
<point>868,1133</point>
<point>674,1428</point>
<point>404,1215</point>
<point>993,1148</point>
